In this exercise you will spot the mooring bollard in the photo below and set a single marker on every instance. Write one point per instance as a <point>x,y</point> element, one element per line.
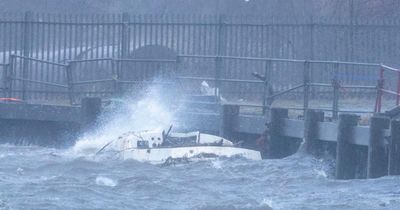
<point>346,158</point>
<point>229,119</point>
<point>311,142</point>
<point>90,111</point>
<point>377,157</point>
<point>277,146</point>
<point>394,148</point>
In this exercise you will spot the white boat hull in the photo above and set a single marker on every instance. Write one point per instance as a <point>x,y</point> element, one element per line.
<point>162,155</point>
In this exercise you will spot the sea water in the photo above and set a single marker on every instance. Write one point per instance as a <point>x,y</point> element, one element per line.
<point>33,177</point>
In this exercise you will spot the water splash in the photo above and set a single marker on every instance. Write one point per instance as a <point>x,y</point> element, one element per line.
<point>150,112</point>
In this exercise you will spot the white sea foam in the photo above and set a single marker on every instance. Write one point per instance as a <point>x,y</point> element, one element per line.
<point>20,171</point>
<point>104,181</point>
<point>321,173</point>
<point>217,164</point>
<point>147,113</point>
<point>268,202</point>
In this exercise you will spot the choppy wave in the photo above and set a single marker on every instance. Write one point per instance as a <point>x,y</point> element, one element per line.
<point>43,178</point>
<point>34,177</point>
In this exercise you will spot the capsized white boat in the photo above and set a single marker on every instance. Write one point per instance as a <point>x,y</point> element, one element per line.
<point>158,147</point>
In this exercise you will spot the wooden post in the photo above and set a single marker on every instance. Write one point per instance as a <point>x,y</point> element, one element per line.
<point>277,147</point>
<point>311,132</point>
<point>90,111</point>
<point>346,158</point>
<point>377,157</point>
<point>394,148</point>
<point>228,120</point>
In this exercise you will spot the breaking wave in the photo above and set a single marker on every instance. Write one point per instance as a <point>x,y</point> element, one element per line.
<point>149,112</point>
<point>44,178</point>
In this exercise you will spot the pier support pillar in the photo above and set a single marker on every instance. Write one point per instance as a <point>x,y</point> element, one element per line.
<point>311,142</point>
<point>377,156</point>
<point>229,120</point>
<point>346,158</point>
<point>394,148</point>
<point>278,146</point>
<point>90,111</point>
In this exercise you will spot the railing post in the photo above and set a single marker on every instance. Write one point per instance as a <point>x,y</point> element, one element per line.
<point>346,158</point>
<point>68,71</point>
<point>5,80</point>
<point>125,44</point>
<point>114,69</point>
<point>377,158</point>
<point>306,81</point>
<point>398,89</point>
<point>394,148</point>
<point>218,59</point>
<point>379,92</point>
<point>218,69</point>
<point>27,42</point>
<point>336,86</point>
<point>267,91</point>
<point>125,38</point>
<point>311,44</point>
<point>10,76</point>
<point>176,70</point>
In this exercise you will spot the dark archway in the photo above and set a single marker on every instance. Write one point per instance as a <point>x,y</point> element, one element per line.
<point>151,63</point>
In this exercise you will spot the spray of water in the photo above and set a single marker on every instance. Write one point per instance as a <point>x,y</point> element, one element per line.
<point>151,111</point>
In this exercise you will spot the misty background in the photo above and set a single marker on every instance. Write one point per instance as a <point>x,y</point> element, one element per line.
<point>60,31</point>
<point>317,8</point>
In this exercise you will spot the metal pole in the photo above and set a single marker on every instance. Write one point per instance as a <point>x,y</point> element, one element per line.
<point>10,76</point>
<point>5,80</point>
<point>125,42</point>
<point>267,91</point>
<point>218,65</point>
<point>68,72</point>
<point>378,103</point>
<point>352,23</point>
<point>306,80</point>
<point>336,86</point>
<point>26,49</point>
<point>114,70</point>
<point>312,26</point>
<point>218,61</point>
<point>398,89</point>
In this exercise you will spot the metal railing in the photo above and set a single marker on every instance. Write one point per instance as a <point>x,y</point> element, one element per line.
<point>10,76</point>
<point>305,84</point>
<point>382,89</point>
<point>117,65</point>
